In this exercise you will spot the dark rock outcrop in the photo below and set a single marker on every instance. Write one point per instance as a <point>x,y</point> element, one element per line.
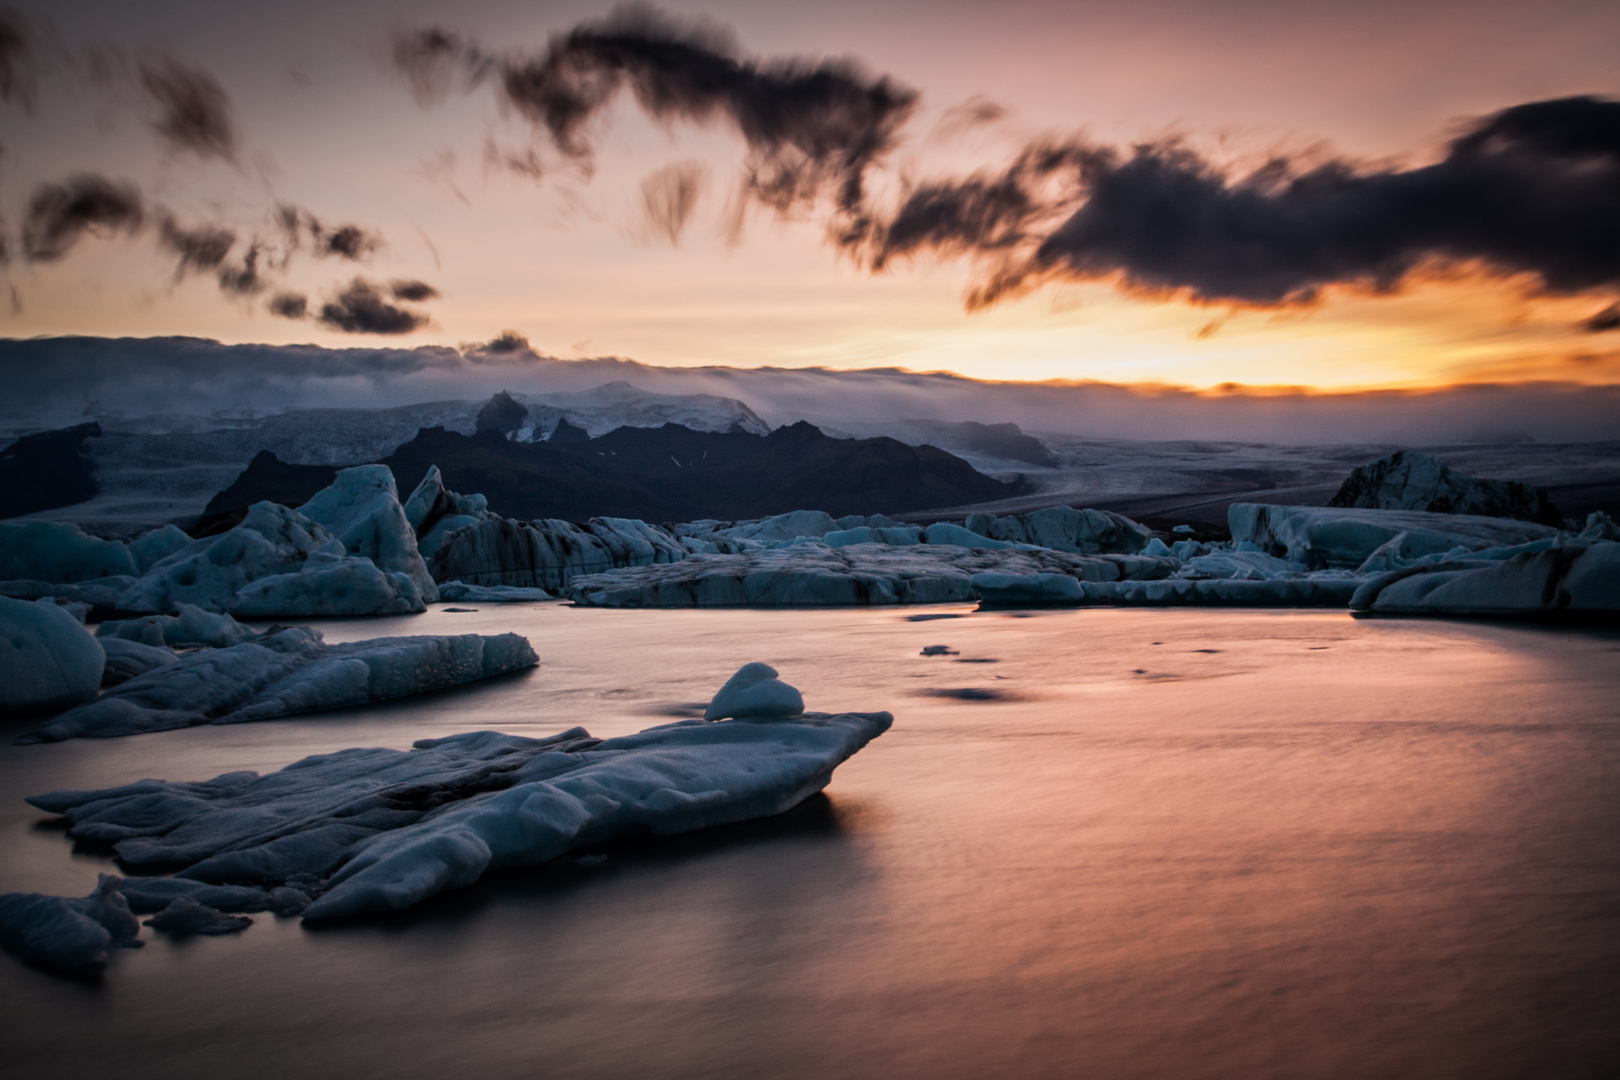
<point>1409,480</point>
<point>268,477</point>
<point>46,471</point>
<point>501,413</point>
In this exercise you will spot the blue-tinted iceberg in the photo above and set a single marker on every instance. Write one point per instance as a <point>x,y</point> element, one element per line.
<point>285,674</point>
<point>66,934</point>
<point>58,553</point>
<point>48,660</point>
<point>368,830</point>
<point>361,509</point>
<point>1320,537</point>
<point>1063,528</point>
<point>1578,579</point>
<point>755,693</point>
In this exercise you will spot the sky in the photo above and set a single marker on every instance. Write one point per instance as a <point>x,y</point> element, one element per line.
<point>1329,196</point>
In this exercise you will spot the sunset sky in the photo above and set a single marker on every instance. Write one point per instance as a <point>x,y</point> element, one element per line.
<point>318,113</point>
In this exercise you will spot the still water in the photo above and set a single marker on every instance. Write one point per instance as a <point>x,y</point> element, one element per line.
<point>1104,843</point>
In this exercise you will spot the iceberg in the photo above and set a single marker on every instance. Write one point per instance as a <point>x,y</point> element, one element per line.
<point>1319,537</point>
<point>70,935</point>
<point>97,593</point>
<point>811,573</point>
<point>1027,590</point>
<point>48,660</point>
<point>754,693</point>
<point>370,830</point>
<point>1409,480</point>
<point>192,626</point>
<point>1063,528</point>
<point>547,553</point>
<point>127,659</point>
<point>59,553</point>
<point>362,510</point>
<point>185,917</point>
<point>277,562</point>
<point>1575,580</point>
<point>491,594</point>
<point>434,512</point>
<point>286,673</point>
<point>156,546</point>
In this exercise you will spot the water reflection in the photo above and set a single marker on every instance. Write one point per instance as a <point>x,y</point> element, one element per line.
<point>1223,844</point>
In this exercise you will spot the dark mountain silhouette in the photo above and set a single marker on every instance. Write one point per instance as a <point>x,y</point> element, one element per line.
<point>501,413</point>
<point>47,470</point>
<point>670,473</point>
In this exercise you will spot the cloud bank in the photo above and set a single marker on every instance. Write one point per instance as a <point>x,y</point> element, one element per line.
<point>52,382</point>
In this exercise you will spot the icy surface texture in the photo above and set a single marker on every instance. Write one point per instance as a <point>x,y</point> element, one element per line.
<point>1409,480</point>
<point>286,674</point>
<point>48,661</point>
<point>810,572</point>
<point>146,895</point>
<point>491,594</point>
<point>1027,589</point>
<point>363,511</point>
<point>156,546</point>
<point>1061,528</point>
<point>57,553</point>
<point>192,626</point>
<point>127,659</point>
<point>1317,537</point>
<point>755,693</point>
<point>368,830</point>
<point>1582,577</point>
<point>434,512</point>
<point>67,934</point>
<point>1319,590</point>
<point>100,592</point>
<point>277,562</point>
<point>547,553</point>
<point>185,917</point>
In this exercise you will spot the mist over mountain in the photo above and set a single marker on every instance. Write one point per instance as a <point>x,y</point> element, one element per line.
<point>56,382</point>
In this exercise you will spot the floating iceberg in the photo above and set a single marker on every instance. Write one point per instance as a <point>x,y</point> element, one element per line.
<point>491,594</point>
<point>1318,537</point>
<point>48,660</point>
<point>277,562</point>
<point>156,546</point>
<point>361,509</point>
<point>71,935</point>
<point>369,830</point>
<point>809,572</point>
<point>547,553</point>
<point>1574,580</point>
<point>755,693</point>
<point>1063,528</point>
<point>1027,590</point>
<point>127,659</point>
<point>284,674</point>
<point>1408,480</point>
<point>434,512</point>
<point>59,553</point>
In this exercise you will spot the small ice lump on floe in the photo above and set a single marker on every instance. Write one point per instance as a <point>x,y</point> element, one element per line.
<point>185,917</point>
<point>755,693</point>
<point>68,934</point>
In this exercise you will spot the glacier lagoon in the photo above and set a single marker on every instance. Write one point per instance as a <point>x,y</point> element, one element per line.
<point>1096,841</point>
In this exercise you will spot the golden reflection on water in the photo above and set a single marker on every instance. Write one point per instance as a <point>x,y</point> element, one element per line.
<point>1095,843</point>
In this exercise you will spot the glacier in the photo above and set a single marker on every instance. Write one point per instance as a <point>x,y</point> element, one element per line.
<point>284,673</point>
<point>372,830</point>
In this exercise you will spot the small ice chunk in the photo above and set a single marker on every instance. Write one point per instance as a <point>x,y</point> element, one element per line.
<point>48,661</point>
<point>127,659</point>
<point>491,594</point>
<point>938,650</point>
<point>71,935</point>
<point>184,917</point>
<point>1156,546</point>
<point>755,693</point>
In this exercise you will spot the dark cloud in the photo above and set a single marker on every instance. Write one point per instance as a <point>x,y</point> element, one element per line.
<point>1607,319</point>
<point>18,74</point>
<point>59,214</point>
<point>199,249</point>
<point>506,343</point>
<point>1533,190</point>
<point>414,291</point>
<point>346,241</point>
<point>195,114</point>
<point>361,309</point>
<point>244,279</point>
<point>811,129</point>
<point>298,225</point>
<point>669,196</point>
<point>289,305</point>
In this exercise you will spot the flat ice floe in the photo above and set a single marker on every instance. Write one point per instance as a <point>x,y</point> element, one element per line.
<point>284,674</point>
<point>68,934</point>
<point>370,830</point>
